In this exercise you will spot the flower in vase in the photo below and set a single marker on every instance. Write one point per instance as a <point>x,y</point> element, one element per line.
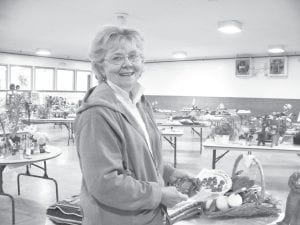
<point>224,128</point>
<point>41,138</point>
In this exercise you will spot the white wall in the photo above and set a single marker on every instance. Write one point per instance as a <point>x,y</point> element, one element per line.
<point>212,78</point>
<point>216,78</point>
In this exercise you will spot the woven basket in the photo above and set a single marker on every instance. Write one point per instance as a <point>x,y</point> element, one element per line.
<point>254,209</point>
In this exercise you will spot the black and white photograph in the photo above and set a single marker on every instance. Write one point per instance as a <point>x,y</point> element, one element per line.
<point>278,66</point>
<point>243,67</point>
<point>129,112</point>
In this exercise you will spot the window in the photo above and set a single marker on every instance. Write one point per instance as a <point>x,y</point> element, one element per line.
<point>65,80</point>
<point>3,77</point>
<point>21,75</point>
<point>44,78</point>
<point>83,80</point>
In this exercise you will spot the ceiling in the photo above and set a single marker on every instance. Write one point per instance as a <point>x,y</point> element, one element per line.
<point>67,27</point>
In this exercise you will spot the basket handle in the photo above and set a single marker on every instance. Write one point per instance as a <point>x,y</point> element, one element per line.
<point>261,172</point>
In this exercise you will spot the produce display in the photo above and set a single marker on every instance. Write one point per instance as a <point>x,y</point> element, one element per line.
<point>214,194</point>
<point>244,199</point>
<point>212,181</point>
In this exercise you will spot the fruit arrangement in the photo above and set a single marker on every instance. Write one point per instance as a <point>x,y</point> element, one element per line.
<point>215,181</point>
<point>213,184</point>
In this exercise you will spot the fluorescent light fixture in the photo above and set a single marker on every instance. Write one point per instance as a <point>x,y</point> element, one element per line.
<point>179,55</point>
<point>276,49</point>
<point>230,26</point>
<point>43,52</point>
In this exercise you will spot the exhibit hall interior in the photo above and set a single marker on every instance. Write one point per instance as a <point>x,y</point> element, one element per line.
<point>150,112</point>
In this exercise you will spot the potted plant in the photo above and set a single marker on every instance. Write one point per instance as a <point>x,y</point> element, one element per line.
<point>43,112</point>
<point>222,132</point>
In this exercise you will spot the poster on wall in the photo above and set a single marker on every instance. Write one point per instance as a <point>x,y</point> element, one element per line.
<point>242,67</point>
<point>277,66</point>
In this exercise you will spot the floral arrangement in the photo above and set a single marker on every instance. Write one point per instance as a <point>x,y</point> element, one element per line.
<point>273,128</point>
<point>248,130</point>
<point>11,123</point>
<point>15,111</point>
<point>59,106</point>
<point>224,128</point>
<point>11,114</point>
<point>55,100</point>
<point>277,124</point>
<point>222,132</point>
<point>38,138</point>
<point>43,112</point>
<point>41,138</point>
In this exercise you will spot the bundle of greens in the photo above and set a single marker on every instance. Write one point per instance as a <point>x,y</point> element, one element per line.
<point>189,210</point>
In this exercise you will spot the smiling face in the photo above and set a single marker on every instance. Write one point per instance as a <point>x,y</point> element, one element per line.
<point>123,64</point>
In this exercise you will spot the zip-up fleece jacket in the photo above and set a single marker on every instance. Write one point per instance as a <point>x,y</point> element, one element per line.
<point>121,179</point>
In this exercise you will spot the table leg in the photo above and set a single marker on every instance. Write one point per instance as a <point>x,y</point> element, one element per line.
<point>200,136</point>
<point>45,176</point>
<point>1,179</point>
<point>217,158</point>
<point>201,140</point>
<point>7,195</point>
<point>214,159</point>
<point>69,133</point>
<point>174,146</point>
<point>69,128</point>
<point>175,151</point>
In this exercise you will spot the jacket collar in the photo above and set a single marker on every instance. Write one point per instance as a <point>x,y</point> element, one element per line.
<point>103,95</point>
<point>134,96</point>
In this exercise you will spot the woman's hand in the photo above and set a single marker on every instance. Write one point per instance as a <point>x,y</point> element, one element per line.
<point>179,174</point>
<point>170,196</point>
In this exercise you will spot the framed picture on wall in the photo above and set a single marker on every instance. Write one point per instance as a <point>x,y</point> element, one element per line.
<point>242,67</point>
<point>278,66</point>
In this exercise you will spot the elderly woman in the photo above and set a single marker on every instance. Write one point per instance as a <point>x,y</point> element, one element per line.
<point>118,143</point>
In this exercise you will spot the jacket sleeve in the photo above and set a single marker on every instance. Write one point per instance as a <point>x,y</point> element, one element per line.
<point>99,148</point>
<point>168,171</point>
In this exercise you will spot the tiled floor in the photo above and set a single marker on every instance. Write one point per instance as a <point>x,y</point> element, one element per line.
<point>38,194</point>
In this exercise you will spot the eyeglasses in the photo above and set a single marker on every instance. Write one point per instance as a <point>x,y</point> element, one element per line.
<point>120,59</point>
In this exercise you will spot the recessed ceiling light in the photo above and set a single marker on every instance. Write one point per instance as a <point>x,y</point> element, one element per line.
<point>276,49</point>
<point>230,26</point>
<point>179,55</point>
<point>43,52</point>
<point>122,18</point>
